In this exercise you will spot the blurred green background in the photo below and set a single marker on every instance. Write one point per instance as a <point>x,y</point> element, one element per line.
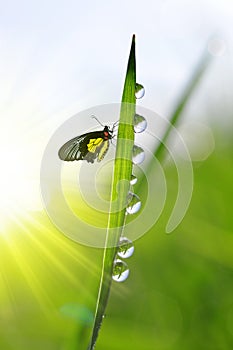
<point>178,295</point>
<point>56,59</point>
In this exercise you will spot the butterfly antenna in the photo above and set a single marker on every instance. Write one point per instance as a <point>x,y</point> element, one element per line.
<point>115,125</point>
<point>94,117</point>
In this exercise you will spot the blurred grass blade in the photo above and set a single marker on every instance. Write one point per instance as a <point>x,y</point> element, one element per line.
<point>184,99</point>
<point>120,188</point>
<point>182,202</point>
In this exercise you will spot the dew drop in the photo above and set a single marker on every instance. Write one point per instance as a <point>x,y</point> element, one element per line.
<point>133,180</point>
<point>125,248</point>
<point>140,123</point>
<point>134,203</point>
<point>120,271</point>
<point>138,155</point>
<point>139,91</point>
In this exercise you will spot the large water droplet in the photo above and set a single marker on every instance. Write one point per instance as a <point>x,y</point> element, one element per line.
<point>125,248</point>
<point>139,91</point>
<point>134,203</point>
<point>138,155</point>
<point>133,180</point>
<point>120,271</point>
<point>140,123</point>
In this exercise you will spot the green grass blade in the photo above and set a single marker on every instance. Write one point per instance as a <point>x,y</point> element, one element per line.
<point>120,188</point>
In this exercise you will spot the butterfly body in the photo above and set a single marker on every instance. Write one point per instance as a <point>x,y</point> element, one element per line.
<point>90,146</point>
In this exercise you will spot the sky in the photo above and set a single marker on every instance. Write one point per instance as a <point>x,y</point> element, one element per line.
<point>58,58</point>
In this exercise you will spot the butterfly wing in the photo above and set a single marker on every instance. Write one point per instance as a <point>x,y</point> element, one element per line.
<point>103,150</point>
<point>87,146</point>
<point>94,147</point>
<point>73,149</point>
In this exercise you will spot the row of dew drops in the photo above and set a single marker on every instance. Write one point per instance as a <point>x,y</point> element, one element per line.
<point>125,247</point>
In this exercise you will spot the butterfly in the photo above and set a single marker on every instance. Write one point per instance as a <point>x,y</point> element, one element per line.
<point>90,146</point>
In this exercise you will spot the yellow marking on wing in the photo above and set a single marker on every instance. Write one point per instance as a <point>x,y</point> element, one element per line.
<point>93,144</point>
<point>103,151</point>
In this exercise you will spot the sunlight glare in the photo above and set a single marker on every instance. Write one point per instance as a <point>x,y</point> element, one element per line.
<point>19,187</point>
